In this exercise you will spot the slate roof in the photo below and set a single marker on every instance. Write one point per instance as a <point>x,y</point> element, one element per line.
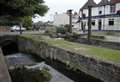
<point>89,3</point>
<point>115,1</point>
<point>104,2</point>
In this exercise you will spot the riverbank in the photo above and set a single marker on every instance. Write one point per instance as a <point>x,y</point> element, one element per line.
<point>90,51</point>
<point>101,63</point>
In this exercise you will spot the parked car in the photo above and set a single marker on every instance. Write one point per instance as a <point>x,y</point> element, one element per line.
<point>17,28</point>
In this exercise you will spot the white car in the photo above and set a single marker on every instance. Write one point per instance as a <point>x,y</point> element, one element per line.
<point>17,28</point>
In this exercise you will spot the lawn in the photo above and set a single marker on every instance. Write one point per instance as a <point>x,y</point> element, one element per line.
<point>91,51</point>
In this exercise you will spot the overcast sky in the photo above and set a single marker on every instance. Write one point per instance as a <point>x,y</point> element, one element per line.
<point>61,6</point>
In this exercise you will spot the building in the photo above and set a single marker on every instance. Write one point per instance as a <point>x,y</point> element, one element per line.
<point>105,15</point>
<point>4,28</point>
<point>63,19</point>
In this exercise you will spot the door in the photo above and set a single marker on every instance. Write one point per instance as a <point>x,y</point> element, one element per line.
<point>99,25</point>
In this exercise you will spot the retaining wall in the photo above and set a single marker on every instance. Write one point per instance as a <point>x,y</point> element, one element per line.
<point>4,74</point>
<point>105,71</point>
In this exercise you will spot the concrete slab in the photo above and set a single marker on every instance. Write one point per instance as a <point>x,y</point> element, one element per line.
<point>4,74</point>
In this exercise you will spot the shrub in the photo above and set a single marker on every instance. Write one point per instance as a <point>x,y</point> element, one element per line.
<point>61,30</point>
<point>51,30</point>
<point>97,37</point>
<point>30,75</point>
<point>110,33</point>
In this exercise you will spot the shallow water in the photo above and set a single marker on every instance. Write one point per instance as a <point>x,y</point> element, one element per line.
<point>20,59</point>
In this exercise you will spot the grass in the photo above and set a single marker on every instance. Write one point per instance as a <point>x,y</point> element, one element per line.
<point>91,51</point>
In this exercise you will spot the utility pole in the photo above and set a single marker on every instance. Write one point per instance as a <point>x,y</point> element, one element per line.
<point>21,28</point>
<point>89,23</point>
<point>70,21</point>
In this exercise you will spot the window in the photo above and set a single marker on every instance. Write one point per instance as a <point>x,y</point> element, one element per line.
<point>111,22</point>
<point>100,12</point>
<point>93,22</point>
<point>112,9</point>
<point>118,12</point>
<point>83,15</point>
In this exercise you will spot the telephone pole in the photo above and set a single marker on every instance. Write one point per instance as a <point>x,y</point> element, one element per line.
<point>89,23</point>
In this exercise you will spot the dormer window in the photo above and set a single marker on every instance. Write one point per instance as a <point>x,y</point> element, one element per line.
<point>112,9</point>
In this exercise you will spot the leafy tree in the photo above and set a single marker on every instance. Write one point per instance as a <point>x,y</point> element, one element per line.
<point>21,9</point>
<point>27,21</point>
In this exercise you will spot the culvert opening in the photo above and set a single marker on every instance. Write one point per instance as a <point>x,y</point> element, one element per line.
<point>9,47</point>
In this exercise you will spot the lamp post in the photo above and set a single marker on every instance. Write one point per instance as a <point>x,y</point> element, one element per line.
<point>70,21</point>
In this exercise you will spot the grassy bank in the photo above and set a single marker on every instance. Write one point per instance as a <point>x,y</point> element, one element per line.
<point>90,51</point>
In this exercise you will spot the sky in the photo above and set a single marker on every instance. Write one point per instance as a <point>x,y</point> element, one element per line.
<point>61,6</point>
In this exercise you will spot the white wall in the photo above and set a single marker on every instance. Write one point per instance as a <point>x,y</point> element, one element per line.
<point>117,6</point>
<point>94,11</point>
<point>85,11</point>
<point>61,19</point>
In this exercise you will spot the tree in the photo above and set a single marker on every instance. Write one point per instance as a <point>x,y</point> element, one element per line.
<point>27,21</point>
<point>18,10</point>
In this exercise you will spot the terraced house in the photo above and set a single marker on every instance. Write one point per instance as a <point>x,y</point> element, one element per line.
<point>105,15</point>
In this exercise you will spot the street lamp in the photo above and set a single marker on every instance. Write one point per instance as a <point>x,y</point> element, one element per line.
<point>70,21</point>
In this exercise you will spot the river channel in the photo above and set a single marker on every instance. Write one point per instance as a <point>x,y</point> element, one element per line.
<point>58,70</point>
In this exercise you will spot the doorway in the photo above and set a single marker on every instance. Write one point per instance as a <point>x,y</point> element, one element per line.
<point>100,25</point>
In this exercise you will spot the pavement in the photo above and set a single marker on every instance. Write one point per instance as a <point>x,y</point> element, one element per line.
<point>4,74</point>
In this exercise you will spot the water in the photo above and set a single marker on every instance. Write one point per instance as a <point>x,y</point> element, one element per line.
<point>20,59</point>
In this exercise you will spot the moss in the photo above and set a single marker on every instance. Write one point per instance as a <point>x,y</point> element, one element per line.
<point>91,51</point>
<point>30,75</point>
<point>72,65</point>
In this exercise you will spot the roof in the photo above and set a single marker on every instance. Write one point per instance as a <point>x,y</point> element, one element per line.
<point>115,1</point>
<point>104,2</point>
<point>89,3</point>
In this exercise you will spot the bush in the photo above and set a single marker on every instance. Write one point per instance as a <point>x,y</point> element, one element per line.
<point>61,30</point>
<point>30,75</point>
<point>97,37</point>
<point>51,31</point>
<point>110,33</point>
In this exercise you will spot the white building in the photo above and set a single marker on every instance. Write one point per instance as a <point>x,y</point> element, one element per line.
<point>105,15</point>
<point>63,19</point>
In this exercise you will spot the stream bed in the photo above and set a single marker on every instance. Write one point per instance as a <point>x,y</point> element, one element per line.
<point>20,59</point>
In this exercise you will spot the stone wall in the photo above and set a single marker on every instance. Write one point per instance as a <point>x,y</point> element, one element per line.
<point>4,74</point>
<point>105,71</point>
